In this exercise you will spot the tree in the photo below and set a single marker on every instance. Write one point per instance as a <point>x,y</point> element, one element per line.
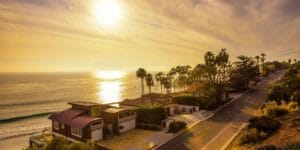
<point>182,74</point>
<point>149,81</point>
<point>257,60</point>
<point>141,73</point>
<point>244,72</point>
<point>262,58</point>
<point>166,81</point>
<point>172,73</point>
<point>158,78</point>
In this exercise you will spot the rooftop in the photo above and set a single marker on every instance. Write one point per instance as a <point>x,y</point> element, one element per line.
<point>74,117</point>
<point>114,110</point>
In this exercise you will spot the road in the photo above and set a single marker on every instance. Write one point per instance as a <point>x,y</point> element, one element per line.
<point>216,132</point>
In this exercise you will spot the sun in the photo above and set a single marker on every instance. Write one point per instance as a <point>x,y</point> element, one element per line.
<point>108,12</point>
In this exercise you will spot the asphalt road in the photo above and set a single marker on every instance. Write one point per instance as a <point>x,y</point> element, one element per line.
<point>217,131</point>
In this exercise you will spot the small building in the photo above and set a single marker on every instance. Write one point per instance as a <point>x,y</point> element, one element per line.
<point>193,90</point>
<point>164,100</point>
<point>78,123</point>
<point>85,121</point>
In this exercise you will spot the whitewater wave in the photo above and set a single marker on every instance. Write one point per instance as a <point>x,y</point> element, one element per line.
<point>18,118</point>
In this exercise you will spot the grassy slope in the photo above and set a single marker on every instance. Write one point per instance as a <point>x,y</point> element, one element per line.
<point>288,132</point>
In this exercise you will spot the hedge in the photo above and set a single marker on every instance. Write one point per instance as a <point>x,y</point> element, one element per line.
<point>151,114</point>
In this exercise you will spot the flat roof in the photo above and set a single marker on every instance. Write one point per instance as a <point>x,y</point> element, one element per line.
<point>114,110</point>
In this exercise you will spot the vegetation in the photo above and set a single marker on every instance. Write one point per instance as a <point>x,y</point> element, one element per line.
<point>151,114</point>
<point>286,89</point>
<point>176,126</point>
<point>60,143</point>
<point>244,72</point>
<point>149,81</point>
<point>141,73</point>
<point>264,124</point>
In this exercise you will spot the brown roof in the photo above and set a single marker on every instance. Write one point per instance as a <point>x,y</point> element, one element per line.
<point>73,117</point>
<point>194,88</point>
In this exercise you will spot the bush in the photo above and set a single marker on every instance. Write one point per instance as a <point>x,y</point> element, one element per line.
<point>176,126</point>
<point>79,146</point>
<point>151,114</point>
<point>267,147</point>
<point>57,143</point>
<point>277,112</point>
<point>187,100</point>
<point>249,136</point>
<point>264,123</point>
<point>148,126</point>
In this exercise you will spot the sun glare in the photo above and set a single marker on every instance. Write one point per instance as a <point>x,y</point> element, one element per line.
<point>110,74</point>
<point>108,12</point>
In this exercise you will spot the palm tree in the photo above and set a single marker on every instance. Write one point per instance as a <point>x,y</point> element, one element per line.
<point>295,60</point>
<point>149,81</point>
<point>166,81</point>
<point>257,60</point>
<point>172,73</point>
<point>262,58</point>
<point>141,73</point>
<point>158,78</point>
<point>290,62</point>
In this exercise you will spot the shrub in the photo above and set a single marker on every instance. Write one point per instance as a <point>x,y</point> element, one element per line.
<point>267,147</point>
<point>149,127</point>
<point>264,123</point>
<point>277,112</point>
<point>187,100</point>
<point>151,114</point>
<point>57,143</point>
<point>79,146</point>
<point>176,126</point>
<point>249,136</point>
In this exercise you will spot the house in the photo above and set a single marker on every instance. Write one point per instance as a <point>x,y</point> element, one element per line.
<point>193,90</point>
<point>85,121</point>
<point>78,123</point>
<point>164,100</point>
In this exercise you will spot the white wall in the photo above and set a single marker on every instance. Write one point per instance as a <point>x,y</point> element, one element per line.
<point>128,125</point>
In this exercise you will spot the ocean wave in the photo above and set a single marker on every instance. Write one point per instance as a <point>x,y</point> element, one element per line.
<point>34,103</point>
<point>17,118</point>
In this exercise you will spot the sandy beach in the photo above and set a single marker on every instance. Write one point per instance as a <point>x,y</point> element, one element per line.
<point>15,143</point>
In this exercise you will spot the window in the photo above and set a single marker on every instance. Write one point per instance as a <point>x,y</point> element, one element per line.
<point>62,125</point>
<point>55,125</point>
<point>76,131</point>
<point>124,114</point>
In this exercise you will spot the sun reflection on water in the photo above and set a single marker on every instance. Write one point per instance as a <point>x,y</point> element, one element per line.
<point>110,86</point>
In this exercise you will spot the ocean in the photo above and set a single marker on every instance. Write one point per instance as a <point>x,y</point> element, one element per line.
<point>27,99</point>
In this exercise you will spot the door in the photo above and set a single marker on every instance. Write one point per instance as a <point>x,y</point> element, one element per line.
<point>96,132</point>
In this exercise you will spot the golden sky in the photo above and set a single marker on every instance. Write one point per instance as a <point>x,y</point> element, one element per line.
<point>62,35</point>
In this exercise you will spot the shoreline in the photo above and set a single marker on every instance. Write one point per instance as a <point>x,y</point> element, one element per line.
<point>15,143</point>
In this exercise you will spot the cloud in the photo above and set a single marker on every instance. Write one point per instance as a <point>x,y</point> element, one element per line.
<point>157,28</point>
